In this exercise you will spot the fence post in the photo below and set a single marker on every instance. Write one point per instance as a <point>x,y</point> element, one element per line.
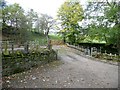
<point>6,48</point>
<point>56,54</point>
<point>26,47</point>
<point>12,44</point>
<point>100,50</point>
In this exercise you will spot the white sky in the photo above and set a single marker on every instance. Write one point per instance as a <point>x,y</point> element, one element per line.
<point>49,7</point>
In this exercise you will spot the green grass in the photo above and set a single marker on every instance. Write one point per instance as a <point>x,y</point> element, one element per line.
<point>39,38</point>
<point>55,37</point>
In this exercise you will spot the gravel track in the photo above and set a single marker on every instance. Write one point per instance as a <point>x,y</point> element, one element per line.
<point>70,71</point>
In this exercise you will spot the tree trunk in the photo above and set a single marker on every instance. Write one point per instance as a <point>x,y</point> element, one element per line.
<point>49,46</point>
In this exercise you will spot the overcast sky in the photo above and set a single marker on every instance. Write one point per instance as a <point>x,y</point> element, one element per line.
<point>49,7</point>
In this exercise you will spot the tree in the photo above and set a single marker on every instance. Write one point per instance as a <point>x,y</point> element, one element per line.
<point>14,22</point>
<point>97,26</point>
<point>112,13</point>
<point>2,5</point>
<point>41,23</point>
<point>38,25</point>
<point>105,22</point>
<point>32,17</point>
<point>47,23</point>
<point>70,14</point>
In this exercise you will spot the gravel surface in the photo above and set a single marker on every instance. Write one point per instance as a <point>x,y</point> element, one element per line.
<point>70,71</point>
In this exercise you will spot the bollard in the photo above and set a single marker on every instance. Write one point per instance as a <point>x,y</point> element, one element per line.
<point>88,51</point>
<point>110,56</point>
<point>105,52</point>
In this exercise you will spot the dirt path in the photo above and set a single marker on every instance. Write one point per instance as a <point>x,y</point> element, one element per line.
<point>71,71</point>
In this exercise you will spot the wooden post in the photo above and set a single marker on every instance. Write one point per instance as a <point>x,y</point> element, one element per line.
<point>6,48</point>
<point>26,47</point>
<point>56,54</point>
<point>110,55</point>
<point>49,45</point>
<point>100,50</point>
<point>12,44</point>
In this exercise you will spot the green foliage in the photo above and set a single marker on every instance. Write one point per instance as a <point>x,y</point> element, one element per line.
<point>39,37</point>
<point>113,15</point>
<point>12,14</point>
<point>112,12</point>
<point>106,27</point>
<point>115,37</point>
<point>97,28</point>
<point>70,14</point>
<point>14,22</point>
<point>31,17</point>
<point>98,33</point>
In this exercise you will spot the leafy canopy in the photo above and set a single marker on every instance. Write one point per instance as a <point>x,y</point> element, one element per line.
<point>70,13</point>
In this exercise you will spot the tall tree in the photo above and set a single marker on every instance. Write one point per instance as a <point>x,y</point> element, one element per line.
<point>70,13</point>
<point>41,24</point>
<point>105,22</point>
<point>32,17</point>
<point>112,13</point>
<point>46,23</point>
<point>38,25</point>
<point>14,22</point>
<point>97,26</point>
